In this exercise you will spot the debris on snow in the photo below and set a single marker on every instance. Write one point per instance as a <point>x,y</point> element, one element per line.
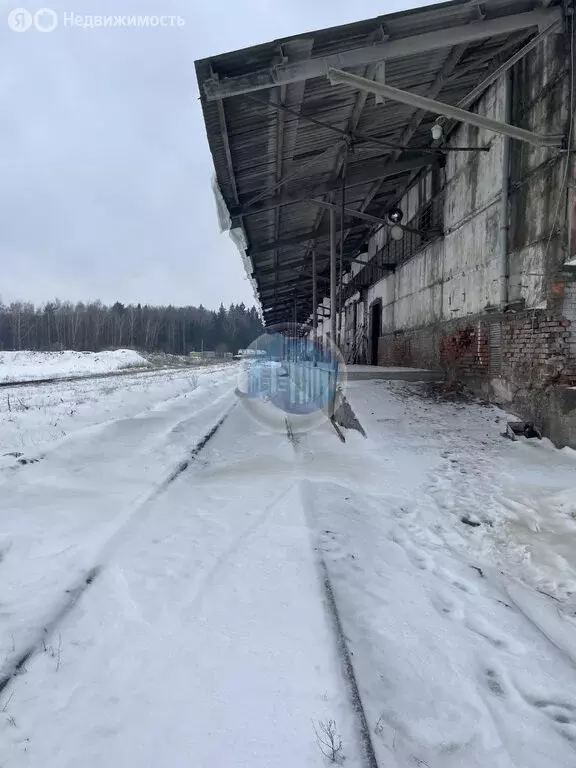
<point>522,428</point>
<point>344,414</point>
<point>471,520</point>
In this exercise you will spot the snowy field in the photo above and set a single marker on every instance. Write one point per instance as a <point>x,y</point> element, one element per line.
<point>29,366</point>
<point>32,418</point>
<point>206,637</point>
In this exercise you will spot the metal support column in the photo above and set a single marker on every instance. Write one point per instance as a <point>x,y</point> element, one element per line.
<point>333,299</point>
<point>341,270</point>
<point>333,295</point>
<point>314,308</point>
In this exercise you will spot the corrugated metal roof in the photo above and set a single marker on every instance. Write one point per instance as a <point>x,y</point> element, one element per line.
<point>255,145</point>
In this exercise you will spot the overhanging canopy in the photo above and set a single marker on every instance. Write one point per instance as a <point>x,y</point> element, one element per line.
<point>281,136</point>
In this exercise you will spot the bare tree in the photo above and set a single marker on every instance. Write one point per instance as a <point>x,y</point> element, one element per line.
<point>93,326</point>
<point>329,741</point>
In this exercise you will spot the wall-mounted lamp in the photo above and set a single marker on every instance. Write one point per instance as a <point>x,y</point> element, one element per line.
<point>395,215</point>
<point>437,132</point>
<point>396,233</point>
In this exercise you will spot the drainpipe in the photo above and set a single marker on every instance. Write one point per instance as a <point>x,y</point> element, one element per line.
<point>503,233</point>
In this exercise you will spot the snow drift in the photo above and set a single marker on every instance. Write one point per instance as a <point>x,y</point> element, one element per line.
<point>26,365</point>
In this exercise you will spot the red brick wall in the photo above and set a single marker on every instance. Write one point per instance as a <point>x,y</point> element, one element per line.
<point>465,351</point>
<point>536,348</point>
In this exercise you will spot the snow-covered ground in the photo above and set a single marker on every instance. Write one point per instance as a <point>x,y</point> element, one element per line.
<point>80,458</point>
<point>28,365</point>
<point>204,640</point>
<point>206,637</point>
<point>32,417</point>
<point>452,553</point>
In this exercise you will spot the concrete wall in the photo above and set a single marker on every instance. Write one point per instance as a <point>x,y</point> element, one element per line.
<point>442,307</point>
<point>541,98</point>
<point>459,275</point>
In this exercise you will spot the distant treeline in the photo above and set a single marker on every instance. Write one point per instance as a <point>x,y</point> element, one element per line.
<point>94,326</point>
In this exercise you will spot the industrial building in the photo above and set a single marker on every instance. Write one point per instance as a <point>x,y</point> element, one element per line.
<point>405,185</point>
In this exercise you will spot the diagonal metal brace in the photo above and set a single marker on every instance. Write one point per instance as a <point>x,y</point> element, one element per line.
<point>338,77</point>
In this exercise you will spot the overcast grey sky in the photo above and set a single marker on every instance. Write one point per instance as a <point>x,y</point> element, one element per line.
<point>104,165</point>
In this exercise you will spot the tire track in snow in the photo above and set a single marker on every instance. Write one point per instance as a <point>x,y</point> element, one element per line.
<point>16,665</point>
<point>341,644</point>
<point>205,580</point>
<point>202,583</point>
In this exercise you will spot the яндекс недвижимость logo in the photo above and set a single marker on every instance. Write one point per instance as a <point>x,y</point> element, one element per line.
<point>21,20</point>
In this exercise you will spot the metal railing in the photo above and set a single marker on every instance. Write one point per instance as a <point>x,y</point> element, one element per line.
<point>423,228</point>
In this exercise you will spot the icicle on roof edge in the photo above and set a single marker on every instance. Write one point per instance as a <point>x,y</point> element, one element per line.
<point>237,236</point>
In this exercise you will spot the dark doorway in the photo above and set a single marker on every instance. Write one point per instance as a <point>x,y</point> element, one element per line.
<point>375,330</point>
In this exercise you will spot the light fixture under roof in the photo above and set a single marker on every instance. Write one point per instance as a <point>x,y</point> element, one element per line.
<point>437,132</point>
